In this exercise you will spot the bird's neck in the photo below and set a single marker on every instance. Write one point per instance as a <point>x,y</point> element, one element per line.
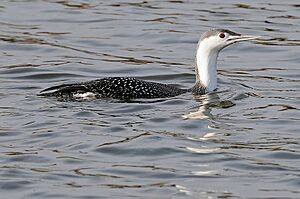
<point>206,67</point>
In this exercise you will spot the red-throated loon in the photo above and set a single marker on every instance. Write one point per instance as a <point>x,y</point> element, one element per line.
<point>209,46</point>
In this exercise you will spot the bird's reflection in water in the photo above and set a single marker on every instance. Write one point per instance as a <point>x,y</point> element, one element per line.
<point>205,104</point>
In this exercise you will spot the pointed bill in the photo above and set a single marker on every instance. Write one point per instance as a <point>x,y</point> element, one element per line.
<point>235,38</point>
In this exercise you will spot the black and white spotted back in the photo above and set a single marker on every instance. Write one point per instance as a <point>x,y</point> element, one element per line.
<point>116,88</point>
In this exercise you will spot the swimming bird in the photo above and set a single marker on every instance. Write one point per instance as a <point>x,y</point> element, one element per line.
<point>208,48</point>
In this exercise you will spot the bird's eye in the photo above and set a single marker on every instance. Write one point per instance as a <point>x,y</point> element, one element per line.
<point>222,35</point>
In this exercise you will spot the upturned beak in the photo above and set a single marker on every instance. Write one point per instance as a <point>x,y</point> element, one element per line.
<point>238,38</point>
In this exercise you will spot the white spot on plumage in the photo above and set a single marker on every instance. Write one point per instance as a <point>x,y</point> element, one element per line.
<point>87,95</point>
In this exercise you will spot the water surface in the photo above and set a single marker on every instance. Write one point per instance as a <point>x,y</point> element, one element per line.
<point>239,142</point>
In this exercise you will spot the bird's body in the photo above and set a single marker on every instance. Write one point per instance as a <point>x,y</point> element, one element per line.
<point>209,46</point>
<point>116,88</point>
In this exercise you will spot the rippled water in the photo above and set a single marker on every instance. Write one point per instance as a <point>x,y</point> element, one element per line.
<point>239,142</point>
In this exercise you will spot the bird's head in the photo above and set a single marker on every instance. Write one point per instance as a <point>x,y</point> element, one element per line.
<point>209,46</point>
<point>217,39</point>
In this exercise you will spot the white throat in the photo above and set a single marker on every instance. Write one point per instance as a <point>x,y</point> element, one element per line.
<point>206,63</point>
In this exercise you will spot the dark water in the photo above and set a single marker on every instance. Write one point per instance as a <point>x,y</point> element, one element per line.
<point>240,142</point>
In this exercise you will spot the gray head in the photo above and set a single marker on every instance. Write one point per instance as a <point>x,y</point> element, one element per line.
<point>217,32</point>
<point>217,39</point>
<point>209,46</point>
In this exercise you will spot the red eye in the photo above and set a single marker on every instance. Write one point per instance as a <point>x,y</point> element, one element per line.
<point>222,35</point>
